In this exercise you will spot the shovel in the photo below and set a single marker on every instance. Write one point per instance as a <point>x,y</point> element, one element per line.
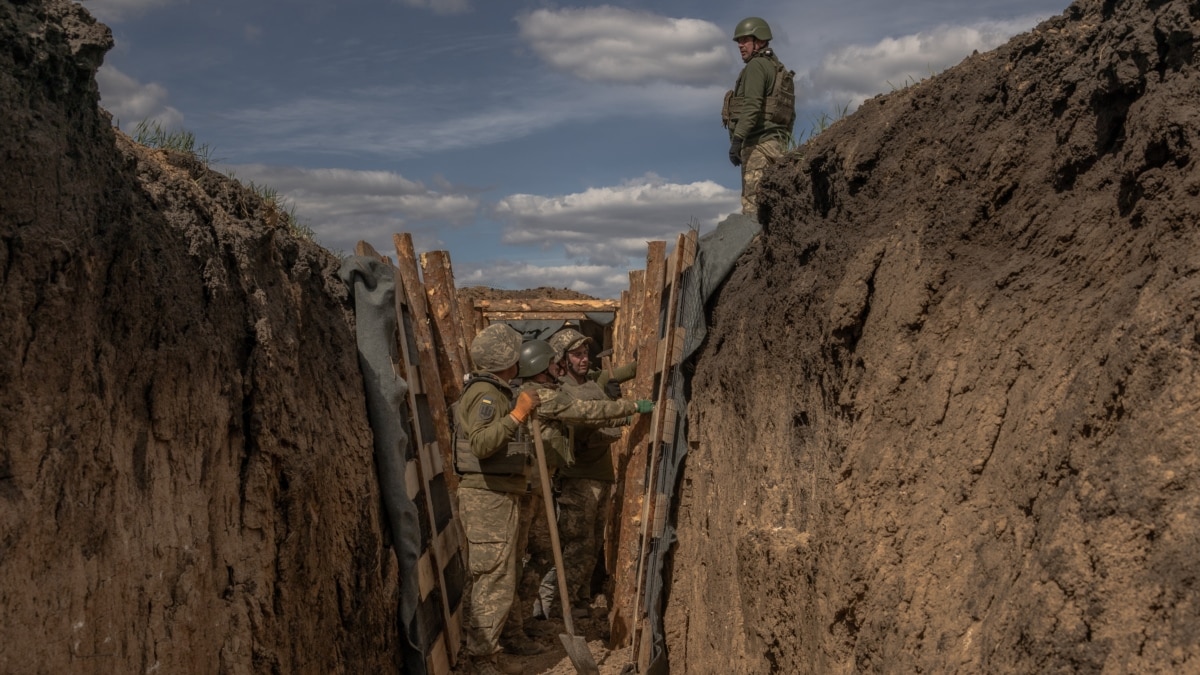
<point>576,646</point>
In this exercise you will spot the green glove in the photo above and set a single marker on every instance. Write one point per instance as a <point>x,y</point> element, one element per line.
<point>644,406</point>
<point>735,151</point>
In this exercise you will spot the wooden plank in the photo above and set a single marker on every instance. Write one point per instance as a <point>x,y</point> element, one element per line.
<point>547,305</point>
<point>490,315</point>
<point>443,310</point>
<point>625,329</point>
<point>426,441</point>
<point>415,293</point>
<point>682,258</point>
<point>412,480</point>
<point>481,322</point>
<point>626,523</point>
<point>669,419</point>
<point>438,662</point>
<point>425,575</point>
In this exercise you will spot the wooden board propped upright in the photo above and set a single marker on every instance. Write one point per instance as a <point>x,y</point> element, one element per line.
<point>654,506</point>
<point>631,456</point>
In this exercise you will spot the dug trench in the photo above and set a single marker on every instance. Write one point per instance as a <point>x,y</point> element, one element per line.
<point>959,431</point>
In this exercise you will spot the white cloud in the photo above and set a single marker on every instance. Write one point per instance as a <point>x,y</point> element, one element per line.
<point>344,206</point>
<point>116,10</point>
<point>439,6</point>
<point>396,122</point>
<point>609,44</point>
<point>609,225</point>
<point>131,102</point>
<point>599,281</point>
<point>855,73</point>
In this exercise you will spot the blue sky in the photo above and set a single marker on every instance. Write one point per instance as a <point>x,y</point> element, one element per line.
<point>540,143</point>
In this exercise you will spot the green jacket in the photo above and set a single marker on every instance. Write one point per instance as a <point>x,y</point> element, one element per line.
<point>749,101</point>
<point>593,457</point>
<point>483,428</point>
<point>616,374</point>
<point>555,434</point>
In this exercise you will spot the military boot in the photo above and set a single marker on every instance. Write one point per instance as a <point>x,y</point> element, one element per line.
<point>484,665</point>
<point>519,643</point>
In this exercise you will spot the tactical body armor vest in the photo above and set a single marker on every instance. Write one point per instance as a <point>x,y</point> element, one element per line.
<point>515,459</point>
<point>780,105</point>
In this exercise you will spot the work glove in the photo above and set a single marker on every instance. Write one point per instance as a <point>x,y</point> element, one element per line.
<point>735,151</point>
<point>527,402</point>
<point>644,406</point>
<point>612,389</point>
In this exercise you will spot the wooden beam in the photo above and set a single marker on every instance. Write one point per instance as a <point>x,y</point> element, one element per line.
<point>489,315</point>
<point>406,262</point>
<point>633,458</point>
<point>652,502</point>
<point>453,361</point>
<point>625,334</point>
<point>548,305</point>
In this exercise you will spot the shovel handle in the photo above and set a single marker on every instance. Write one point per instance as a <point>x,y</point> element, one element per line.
<point>564,599</point>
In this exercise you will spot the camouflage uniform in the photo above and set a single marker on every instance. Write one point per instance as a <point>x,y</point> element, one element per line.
<point>755,161</point>
<point>583,489</point>
<point>562,415</point>
<point>610,379</point>
<point>494,501</point>
<point>749,113</point>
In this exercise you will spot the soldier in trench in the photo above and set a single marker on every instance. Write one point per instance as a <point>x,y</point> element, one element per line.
<point>494,496</point>
<point>563,416</point>
<point>585,486</point>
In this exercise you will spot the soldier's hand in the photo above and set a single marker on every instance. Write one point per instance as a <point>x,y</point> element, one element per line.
<point>527,402</point>
<point>644,406</point>
<point>735,151</point>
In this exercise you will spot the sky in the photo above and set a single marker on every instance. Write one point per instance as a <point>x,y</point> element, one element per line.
<point>539,143</point>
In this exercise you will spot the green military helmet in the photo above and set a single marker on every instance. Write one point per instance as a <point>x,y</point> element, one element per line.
<point>496,348</point>
<point>752,25</point>
<point>567,339</point>
<point>536,356</point>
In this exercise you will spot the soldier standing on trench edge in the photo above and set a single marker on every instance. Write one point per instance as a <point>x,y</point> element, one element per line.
<point>760,109</point>
<point>495,501</point>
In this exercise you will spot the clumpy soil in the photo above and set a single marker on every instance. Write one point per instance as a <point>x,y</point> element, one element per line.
<point>186,472</point>
<point>959,429</point>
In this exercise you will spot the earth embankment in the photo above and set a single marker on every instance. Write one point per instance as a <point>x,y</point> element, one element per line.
<point>959,428</point>
<point>186,474</point>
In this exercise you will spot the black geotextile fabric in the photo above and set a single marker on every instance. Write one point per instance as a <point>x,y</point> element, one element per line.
<point>717,252</point>
<point>373,285</point>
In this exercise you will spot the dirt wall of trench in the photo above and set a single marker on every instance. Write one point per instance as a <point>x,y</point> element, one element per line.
<point>959,428</point>
<point>186,474</point>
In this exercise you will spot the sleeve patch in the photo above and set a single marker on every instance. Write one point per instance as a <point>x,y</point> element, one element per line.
<point>487,410</point>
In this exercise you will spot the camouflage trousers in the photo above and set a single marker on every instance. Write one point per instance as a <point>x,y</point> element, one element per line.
<point>496,525</point>
<point>755,160</point>
<point>581,529</point>
<point>538,582</point>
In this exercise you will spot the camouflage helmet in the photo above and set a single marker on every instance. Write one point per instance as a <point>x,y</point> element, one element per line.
<point>496,348</point>
<point>752,25</point>
<point>567,339</point>
<point>536,356</point>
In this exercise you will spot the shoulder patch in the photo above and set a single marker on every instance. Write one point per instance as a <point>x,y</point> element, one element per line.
<point>487,409</point>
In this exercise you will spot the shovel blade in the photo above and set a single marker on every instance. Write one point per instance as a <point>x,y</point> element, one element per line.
<point>581,656</point>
